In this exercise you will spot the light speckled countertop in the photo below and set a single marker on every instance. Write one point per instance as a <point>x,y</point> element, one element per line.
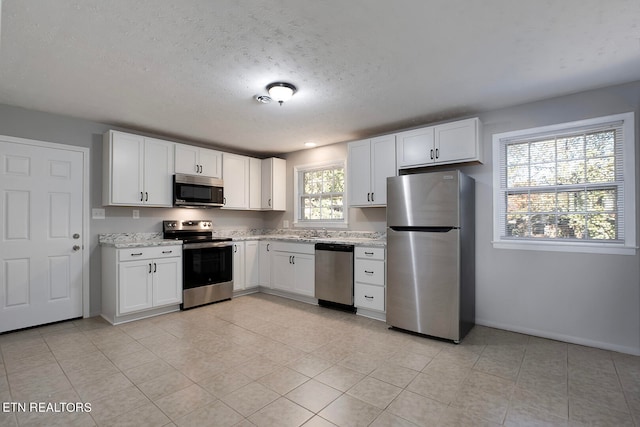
<point>133,240</point>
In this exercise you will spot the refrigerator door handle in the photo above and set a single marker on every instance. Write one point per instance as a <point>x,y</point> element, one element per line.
<point>425,229</point>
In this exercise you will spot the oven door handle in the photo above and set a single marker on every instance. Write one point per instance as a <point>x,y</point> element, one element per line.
<point>206,245</point>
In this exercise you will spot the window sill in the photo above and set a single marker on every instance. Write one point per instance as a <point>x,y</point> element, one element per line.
<point>593,248</point>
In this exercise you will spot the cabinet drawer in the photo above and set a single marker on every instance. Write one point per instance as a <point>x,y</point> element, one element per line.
<point>369,271</point>
<point>367,296</point>
<point>369,253</point>
<point>300,248</point>
<point>132,254</point>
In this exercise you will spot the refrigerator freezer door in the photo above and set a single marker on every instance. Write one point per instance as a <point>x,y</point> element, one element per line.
<point>423,290</point>
<point>423,200</point>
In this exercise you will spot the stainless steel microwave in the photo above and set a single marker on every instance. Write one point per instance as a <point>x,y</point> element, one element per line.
<point>194,191</point>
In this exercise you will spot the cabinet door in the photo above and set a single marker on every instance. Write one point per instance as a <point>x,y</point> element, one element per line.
<point>265,264</point>
<point>135,286</point>
<point>282,271</point>
<point>167,281</point>
<point>359,179</point>
<point>235,171</point>
<point>251,265</point>
<point>210,163</point>
<point>304,274</point>
<point>186,159</point>
<point>238,266</point>
<point>158,172</point>
<point>383,165</point>
<point>255,183</point>
<point>274,184</point>
<point>457,141</point>
<point>125,169</point>
<point>415,147</point>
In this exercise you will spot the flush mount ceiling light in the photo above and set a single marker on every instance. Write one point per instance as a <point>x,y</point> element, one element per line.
<point>310,144</point>
<point>281,91</point>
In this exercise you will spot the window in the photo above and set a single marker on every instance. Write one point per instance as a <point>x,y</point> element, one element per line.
<point>320,194</point>
<point>566,187</point>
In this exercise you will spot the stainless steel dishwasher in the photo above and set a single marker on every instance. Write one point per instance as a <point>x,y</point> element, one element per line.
<point>334,275</point>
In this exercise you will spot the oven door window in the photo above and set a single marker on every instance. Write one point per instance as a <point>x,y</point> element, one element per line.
<point>205,266</point>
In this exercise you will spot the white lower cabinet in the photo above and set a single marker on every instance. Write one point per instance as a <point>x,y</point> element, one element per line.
<point>245,265</point>
<point>238,266</point>
<point>265,264</point>
<point>140,282</point>
<point>251,265</point>
<point>369,281</point>
<point>293,268</point>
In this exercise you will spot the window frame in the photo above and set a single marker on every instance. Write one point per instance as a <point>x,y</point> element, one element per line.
<point>625,247</point>
<point>298,170</point>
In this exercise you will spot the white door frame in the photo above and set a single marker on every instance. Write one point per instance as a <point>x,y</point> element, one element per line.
<point>86,301</point>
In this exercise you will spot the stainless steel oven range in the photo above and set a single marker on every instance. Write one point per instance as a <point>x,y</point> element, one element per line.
<point>207,262</point>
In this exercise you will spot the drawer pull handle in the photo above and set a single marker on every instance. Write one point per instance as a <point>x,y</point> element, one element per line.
<point>368,253</point>
<point>368,297</point>
<point>167,252</point>
<point>149,268</point>
<point>138,254</point>
<point>368,272</point>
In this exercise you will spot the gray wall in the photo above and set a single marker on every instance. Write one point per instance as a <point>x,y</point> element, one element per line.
<point>592,299</point>
<point>22,123</point>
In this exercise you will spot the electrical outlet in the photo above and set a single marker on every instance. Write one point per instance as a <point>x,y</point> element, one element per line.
<point>136,214</point>
<point>97,213</point>
<point>285,224</point>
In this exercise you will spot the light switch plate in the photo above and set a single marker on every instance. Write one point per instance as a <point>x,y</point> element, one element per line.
<point>136,214</point>
<point>285,224</point>
<point>97,213</point>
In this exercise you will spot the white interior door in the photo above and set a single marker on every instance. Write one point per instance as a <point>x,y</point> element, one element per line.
<point>41,250</point>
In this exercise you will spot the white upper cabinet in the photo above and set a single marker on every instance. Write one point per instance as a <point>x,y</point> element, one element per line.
<point>138,171</point>
<point>192,160</point>
<point>371,162</point>
<point>455,142</point>
<point>255,184</point>
<point>236,181</point>
<point>274,184</point>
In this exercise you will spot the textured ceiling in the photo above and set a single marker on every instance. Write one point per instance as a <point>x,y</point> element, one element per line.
<point>189,69</point>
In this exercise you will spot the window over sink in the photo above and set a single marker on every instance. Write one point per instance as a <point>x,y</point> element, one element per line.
<point>320,195</point>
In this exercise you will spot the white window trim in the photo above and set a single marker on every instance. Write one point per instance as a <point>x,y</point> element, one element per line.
<point>629,246</point>
<point>296,194</point>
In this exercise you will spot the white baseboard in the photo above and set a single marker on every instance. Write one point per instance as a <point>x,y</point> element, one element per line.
<point>560,337</point>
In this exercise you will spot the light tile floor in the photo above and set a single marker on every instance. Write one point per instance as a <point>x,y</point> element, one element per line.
<point>267,361</point>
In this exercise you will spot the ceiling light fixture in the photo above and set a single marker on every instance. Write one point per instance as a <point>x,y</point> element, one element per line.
<point>281,91</point>
<point>310,144</point>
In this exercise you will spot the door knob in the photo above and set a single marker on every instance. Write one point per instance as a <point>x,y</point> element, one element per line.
<point>76,248</point>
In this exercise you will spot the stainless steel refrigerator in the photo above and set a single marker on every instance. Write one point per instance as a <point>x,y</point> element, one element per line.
<point>431,253</point>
